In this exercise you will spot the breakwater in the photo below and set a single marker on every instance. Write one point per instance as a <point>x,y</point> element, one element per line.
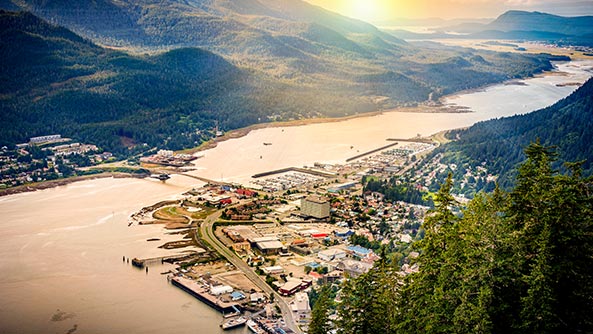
<point>371,152</point>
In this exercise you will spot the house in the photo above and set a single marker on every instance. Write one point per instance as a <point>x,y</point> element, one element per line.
<point>358,251</point>
<point>245,193</point>
<point>353,268</point>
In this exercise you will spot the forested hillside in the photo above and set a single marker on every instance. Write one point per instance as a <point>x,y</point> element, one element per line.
<point>53,81</point>
<point>498,144</point>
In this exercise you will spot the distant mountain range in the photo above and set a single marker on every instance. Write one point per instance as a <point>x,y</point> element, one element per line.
<point>498,144</point>
<point>160,72</point>
<point>519,25</point>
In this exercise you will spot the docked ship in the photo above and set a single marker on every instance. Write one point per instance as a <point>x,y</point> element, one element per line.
<point>254,327</point>
<point>232,323</point>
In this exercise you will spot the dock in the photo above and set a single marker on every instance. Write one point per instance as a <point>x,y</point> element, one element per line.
<point>413,140</point>
<point>294,169</point>
<point>141,263</point>
<point>371,151</point>
<point>200,292</point>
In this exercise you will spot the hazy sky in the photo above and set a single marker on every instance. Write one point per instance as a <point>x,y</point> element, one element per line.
<point>379,10</point>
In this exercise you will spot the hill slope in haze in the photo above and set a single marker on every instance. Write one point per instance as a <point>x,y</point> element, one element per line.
<point>519,25</point>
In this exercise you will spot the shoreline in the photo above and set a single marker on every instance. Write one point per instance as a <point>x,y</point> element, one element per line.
<point>438,107</point>
<point>30,187</point>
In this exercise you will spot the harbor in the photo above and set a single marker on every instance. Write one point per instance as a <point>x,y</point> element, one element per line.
<point>202,293</point>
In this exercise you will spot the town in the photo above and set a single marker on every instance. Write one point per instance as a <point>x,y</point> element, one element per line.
<point>46,158</point>
<point>259,250</point>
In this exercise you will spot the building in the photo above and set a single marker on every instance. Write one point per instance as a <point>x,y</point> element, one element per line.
<point>43,139</point>
<point>354,268</point>
<point>220,290</point>
<point>343,186</point>
<point>301,309</point>
<point>241,246</point>
<point>331,254</point>
<point>358,251</point>
<point>315,207</point>
<point>290,287</point>
<point>273,270</point>
<point>268,246</point>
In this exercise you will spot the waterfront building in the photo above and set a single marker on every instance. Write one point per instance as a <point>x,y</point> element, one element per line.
<point>315,207</point>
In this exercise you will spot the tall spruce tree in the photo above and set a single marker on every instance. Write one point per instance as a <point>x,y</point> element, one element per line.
<point>320,323</point>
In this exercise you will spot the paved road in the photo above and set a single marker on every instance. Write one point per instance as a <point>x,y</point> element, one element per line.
<point>206,230</point>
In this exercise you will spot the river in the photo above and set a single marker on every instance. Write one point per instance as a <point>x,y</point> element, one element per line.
<point>61,249</point>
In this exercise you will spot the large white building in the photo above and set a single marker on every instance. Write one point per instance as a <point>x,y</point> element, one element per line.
<point>301,310</point>
<point>315,206</point>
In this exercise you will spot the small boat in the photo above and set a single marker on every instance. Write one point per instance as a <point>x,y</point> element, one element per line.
<point>235,322</point>
<point>267,144</point>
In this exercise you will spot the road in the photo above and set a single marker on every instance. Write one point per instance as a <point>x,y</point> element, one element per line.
<point>206,230</point>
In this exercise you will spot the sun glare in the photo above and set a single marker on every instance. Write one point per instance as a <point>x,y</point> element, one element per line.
<point>367,10</point>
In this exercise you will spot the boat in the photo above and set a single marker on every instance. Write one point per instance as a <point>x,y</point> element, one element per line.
<point>267,144</point>
<point>254,327</point>
<point>232,323</point>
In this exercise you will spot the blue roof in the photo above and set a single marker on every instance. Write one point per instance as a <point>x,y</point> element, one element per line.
<point>237,295</point>
<point>313,265</point>
<point>359,250</point>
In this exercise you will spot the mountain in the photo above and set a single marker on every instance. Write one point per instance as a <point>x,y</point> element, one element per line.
<point>518,25</point>
<point>54,81</point>
<point>515,20</point>
<point>268,68</point>
<point>498,144</point>
<point>290,41</point>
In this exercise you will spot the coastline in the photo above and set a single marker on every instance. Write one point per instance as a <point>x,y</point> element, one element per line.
<point>62,182</point>
<point>425,107</point>
<point>437,107</point>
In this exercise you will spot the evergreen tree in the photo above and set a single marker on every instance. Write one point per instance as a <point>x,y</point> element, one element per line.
<point>320,313</point>
<point>367,302</point>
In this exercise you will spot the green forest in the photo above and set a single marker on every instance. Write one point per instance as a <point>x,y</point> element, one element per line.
<point>510,262</point>
<point>498,144</point>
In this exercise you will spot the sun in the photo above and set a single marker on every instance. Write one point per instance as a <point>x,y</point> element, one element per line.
<point>366,10</point>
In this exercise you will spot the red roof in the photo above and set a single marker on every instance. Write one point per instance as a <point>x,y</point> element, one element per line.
<point>319,235</point>
<point>245,192</point>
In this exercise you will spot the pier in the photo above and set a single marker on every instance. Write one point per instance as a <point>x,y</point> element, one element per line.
<point>141,263</point>
<point>200,292</point>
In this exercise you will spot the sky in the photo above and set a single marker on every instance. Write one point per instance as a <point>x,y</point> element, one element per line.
<point>385,10</point>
